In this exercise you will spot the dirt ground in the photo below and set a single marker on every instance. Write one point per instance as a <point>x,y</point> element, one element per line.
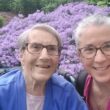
<point>7,16</point>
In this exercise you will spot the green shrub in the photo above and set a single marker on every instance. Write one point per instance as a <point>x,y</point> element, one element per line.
<point>30,6</point>
<point>5,5</point>
<point>1,21</point>
<point>25,6</point>
<point>99,2</point>
<point>16,6</point>
<point>50,5</point>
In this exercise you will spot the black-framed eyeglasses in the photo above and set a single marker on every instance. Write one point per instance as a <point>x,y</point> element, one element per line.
<point>36,48</point>
<point>90,51</point>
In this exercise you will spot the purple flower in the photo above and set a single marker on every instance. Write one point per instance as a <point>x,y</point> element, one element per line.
<point>64,19</point>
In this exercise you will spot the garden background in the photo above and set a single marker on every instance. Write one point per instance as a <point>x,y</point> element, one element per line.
<point>63,15</point>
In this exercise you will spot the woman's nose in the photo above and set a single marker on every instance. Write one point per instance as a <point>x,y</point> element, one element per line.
<point>99,57</point>
<point>44,54</point>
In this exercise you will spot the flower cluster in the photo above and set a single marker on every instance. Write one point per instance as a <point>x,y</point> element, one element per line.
<point>64,19</point>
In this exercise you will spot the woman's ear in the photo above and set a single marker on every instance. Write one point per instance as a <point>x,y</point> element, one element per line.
<point>21,56</point>
<point>79,55</point>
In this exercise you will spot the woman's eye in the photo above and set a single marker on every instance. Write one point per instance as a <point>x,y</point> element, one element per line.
<point>89,49</point>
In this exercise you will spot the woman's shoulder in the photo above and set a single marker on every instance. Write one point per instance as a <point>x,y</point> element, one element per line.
<point>9,77</point>
<point>59,81</point>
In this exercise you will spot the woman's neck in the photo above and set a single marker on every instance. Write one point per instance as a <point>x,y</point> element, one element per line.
<point>99,96</point>
<point>102,88</point>
<point>35,88</point>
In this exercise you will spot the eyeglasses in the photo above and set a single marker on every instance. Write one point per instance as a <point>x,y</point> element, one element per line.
<point>36,48</point>
<point>90,51</point>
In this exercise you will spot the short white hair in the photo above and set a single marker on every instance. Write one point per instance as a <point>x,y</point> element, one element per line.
<point>95,19</point>
<point>23,38</point>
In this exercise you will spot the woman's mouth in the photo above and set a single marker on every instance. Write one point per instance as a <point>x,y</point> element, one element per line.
<point>43,66</point>
<point>101,68</point>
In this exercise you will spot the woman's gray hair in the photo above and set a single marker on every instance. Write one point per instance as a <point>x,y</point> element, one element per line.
<point>96,19</point>
<point>23,38</point>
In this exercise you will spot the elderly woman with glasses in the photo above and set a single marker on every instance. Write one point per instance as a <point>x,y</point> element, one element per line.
<point>37,86</point>
<point>92,38</point>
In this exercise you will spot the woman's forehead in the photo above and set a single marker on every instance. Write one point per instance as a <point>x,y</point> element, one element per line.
<point>41,36</point>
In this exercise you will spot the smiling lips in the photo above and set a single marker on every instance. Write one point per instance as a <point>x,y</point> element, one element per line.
<point>101,68</point>
<point>43,66</point>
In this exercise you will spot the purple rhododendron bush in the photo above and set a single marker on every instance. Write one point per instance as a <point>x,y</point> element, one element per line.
<point>64,19</point>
